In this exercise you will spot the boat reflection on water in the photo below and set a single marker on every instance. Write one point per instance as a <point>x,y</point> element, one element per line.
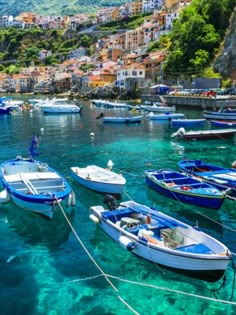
<point>35,229</point>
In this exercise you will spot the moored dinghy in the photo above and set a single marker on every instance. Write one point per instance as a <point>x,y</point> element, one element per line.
<point>216,134</point>
<point>33,185</point>
<point>221,177</point>
<point>184,188</point>
<point>101,180</point>
<point>161,239</point>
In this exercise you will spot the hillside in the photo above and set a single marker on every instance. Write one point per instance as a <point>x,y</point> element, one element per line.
<point>55,7</point>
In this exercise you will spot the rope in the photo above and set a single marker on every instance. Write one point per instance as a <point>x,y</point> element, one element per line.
<point>161,288</point>
<point>121,171</point>
<point>107,276</point>
<point>98,267</point>
<point>227,227</point>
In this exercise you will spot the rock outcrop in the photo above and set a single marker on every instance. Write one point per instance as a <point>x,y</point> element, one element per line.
<point>225,63</point>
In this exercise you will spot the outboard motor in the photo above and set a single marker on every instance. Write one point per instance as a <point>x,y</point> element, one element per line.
<point>110,201</point>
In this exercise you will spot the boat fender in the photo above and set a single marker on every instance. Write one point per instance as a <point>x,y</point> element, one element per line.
<point>126,243</point>
<point>4,196</point>
<point>93,218</point>
<point>71,200</point>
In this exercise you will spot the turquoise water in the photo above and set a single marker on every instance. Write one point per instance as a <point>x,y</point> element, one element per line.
<point>46,269</point>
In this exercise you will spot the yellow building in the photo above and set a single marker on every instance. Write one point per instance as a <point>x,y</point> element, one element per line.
<point>170,3</point>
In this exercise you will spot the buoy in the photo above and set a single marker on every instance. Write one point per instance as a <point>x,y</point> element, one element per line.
<point>92,134</point>
<point>93,218</point>
<point>148,219</point>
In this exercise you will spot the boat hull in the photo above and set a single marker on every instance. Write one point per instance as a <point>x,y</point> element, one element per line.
<point>220,115</point>
<point>165,117</point>
<point>223,124</point>
<point>221,178</point>
<point>67,109</point>
<point>126,120</point>
<point>34,186</point>
<point>93,182</point>
<point>5,110</point>
<point>187,122</point>
<point>186,196</point>
<point>222,134</point>
<point>201,267</point>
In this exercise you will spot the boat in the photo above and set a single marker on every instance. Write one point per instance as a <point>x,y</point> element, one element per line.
<point>184,188</point>
<point>162,239</point>
<point>223,123</point>
<point>120,119</point>
<point>59,106</point>
<point>221,177</point>
<point>165,116</point>
<point>214,134</point>
<point>158,108</point>
<point>187,122</point>
<point>98,179</point>
<point>224,114</point>
<point>33,185</point>
<point>5,110</point>
<point>110,104</point>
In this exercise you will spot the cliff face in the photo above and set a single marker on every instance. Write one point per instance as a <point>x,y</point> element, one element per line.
<point>225,63</point>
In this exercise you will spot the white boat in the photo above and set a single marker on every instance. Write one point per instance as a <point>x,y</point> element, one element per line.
<point>33,185</point>
<point>210,134</point>
<point>99,179</point>
<point>165,116</point>
<point>161,239</point>
<point>110,104</point>
<point>59,106</point>
<point>159,108</point>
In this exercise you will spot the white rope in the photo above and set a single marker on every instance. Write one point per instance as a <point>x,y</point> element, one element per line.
<point>99,268</point>
<point>158,288</point>
<point>225,226</point>
<point>107,276</point>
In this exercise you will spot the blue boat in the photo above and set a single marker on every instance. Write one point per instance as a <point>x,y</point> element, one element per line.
<point>187,122</point>
<point>221,177</point>
<point>223,123</point>
<point>184,188</point>
<point>33,185</point>
<point>4,110</point>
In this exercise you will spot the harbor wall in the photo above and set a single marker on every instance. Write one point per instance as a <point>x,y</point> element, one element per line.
<point>192,101</point>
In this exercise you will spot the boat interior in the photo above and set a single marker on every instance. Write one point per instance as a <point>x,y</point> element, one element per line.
<point>157,231</point>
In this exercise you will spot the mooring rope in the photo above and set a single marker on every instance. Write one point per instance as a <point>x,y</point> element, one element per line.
<point>107,276</point>
<point>95,263</point>
<point>157,288</point>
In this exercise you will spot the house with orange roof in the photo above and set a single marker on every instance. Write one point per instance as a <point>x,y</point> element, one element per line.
<point>95,81</point>
<point>130,76</point>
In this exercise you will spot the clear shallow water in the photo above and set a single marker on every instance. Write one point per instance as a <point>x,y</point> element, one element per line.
<point>44,268</point>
